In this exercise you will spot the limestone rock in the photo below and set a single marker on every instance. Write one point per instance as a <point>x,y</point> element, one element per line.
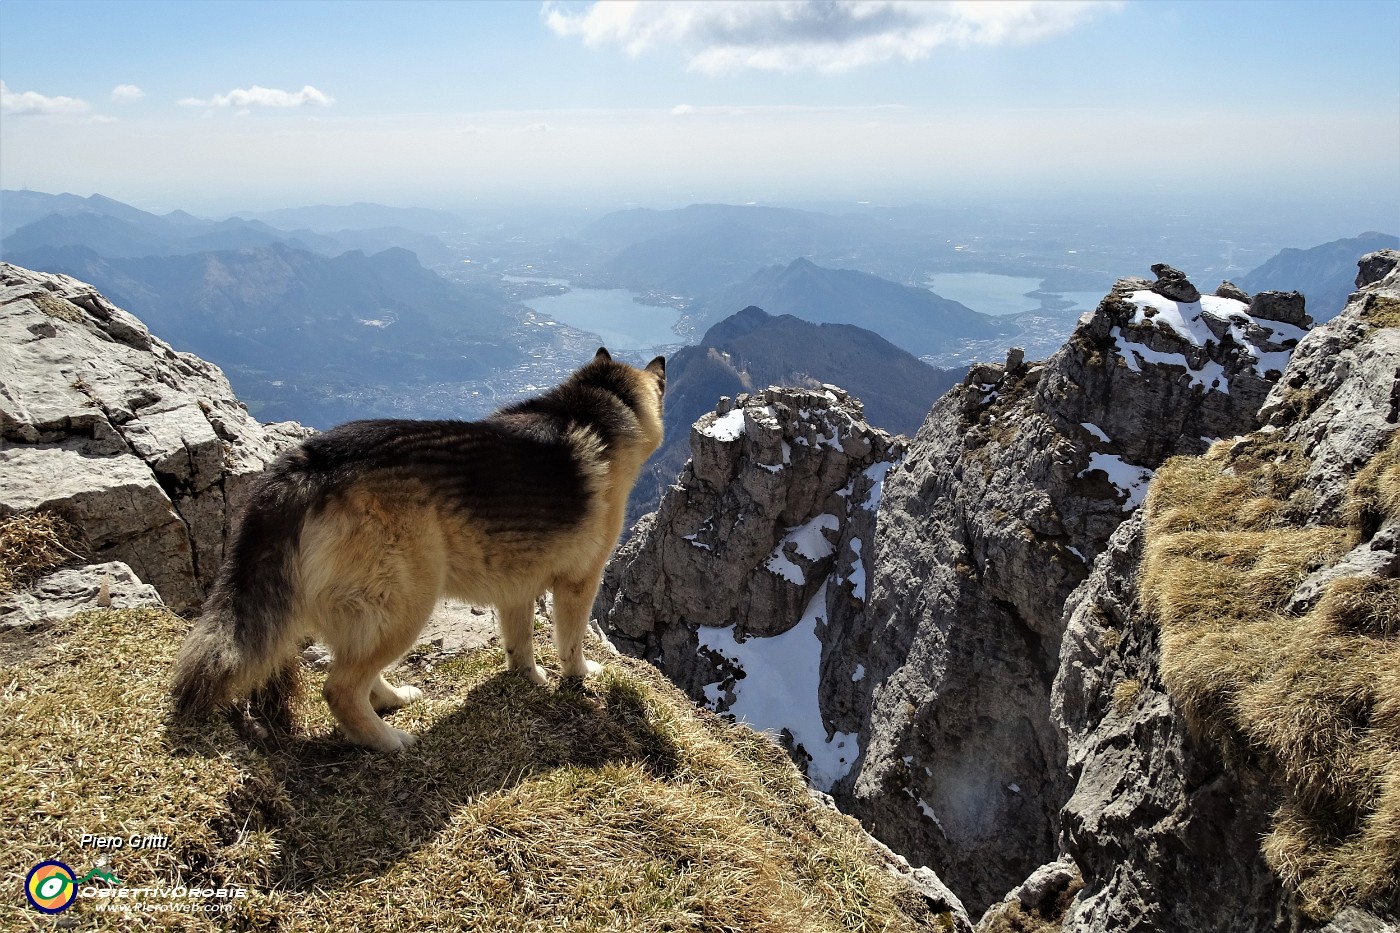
<point>1007,496</point>
<point>56,596</point>
<point>744,583</point>
<point>1229,289</point>
<point>1172,283</point>
<point>1287,307</point>
<point>1166,833</point>
<point>1045,897</point>
<point>1375,266</point>
<point>145,449</point>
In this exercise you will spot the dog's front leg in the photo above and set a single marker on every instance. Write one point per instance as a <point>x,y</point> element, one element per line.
<point>517,624</point>
<point>573,599</point>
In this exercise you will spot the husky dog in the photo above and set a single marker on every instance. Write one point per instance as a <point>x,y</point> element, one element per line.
<point>355,534</point>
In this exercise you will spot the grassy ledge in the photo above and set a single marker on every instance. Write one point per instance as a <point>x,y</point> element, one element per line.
<point>610,805</point>
<point>1314,699</point>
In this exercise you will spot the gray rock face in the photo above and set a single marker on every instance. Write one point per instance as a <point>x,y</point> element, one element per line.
<point>146,449</point>
<point>744,585</point>
<point>1167,836</point>
<point>1287,307</point>
<point>1172,283</point>
<point>62,593</point>
<point>1009,492</point>
<point>1375,266</point>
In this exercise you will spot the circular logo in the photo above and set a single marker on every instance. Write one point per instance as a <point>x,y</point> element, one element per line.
<point>50,887</point>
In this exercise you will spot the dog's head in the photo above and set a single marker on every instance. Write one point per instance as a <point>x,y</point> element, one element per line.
<point>641,390</point>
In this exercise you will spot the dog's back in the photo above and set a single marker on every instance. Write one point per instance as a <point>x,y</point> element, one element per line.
<point>358,532</point>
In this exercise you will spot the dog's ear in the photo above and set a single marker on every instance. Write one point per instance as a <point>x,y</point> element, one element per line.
<point>602,355</point>
<point>657,368</point>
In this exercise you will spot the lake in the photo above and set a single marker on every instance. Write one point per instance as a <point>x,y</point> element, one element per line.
<point>623,324</point>
<point>1003,294</point>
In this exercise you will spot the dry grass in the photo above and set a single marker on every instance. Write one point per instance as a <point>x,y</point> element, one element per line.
<point>1381,311</point>
<point>613,805</point>
<point>33,544</point>
<point>1313,699</point>
<point>1125,694</point>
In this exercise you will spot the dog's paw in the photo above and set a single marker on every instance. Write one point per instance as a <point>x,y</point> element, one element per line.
<point>584,668</point>
<point>391,740</point>
<point>534,674</point>
<point>395,698</point>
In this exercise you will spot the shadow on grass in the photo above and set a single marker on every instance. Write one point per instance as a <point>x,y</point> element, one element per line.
<point>343,814</point>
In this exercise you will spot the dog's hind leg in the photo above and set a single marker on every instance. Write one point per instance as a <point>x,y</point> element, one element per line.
<point>573,600</point>
<point>517,622</point>
<point>347,692</point>
<point>355,686</point>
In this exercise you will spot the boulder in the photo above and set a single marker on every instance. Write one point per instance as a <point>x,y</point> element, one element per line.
<point>146,449</point>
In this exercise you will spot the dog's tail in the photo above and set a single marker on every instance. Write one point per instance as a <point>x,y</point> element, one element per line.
<point>247,632</point>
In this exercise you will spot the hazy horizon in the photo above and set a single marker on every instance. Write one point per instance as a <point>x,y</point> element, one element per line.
<point>218,107</point>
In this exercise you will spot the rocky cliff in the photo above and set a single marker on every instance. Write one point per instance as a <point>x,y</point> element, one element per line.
<point>1009,494</point>
<point>933,640</point>
<point>144,449</point>
<point>744,585</point>
<point>1229,672</point>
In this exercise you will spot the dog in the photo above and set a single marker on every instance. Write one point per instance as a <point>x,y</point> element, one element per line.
<point>355,534</point>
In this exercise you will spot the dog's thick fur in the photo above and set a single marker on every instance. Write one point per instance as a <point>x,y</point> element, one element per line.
<point>354,536</point>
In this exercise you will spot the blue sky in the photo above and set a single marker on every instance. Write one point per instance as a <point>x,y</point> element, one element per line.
<point>255,105</point>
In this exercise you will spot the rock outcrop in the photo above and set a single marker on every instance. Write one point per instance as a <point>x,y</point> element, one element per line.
<point>1172,795</point>
<point>1009,493</point>
<point>144,448</point>
<point>931,641</point>
<point>745,584</point>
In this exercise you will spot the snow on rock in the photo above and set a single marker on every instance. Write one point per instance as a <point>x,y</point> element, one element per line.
<point>775,687</point>
<point>724,428</point>
<point>1130,480</point>
<point>756,561</point>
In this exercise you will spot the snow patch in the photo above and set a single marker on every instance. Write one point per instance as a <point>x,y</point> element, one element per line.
<point>859,674</point>
<point>1130,480</point>
<point>808,541</point>
<point>1095,430</point>
<point>1210,376</point>
<point>857,576</point>
<point>781,690</point>
<point>726,428</point>
<point>877,473</point>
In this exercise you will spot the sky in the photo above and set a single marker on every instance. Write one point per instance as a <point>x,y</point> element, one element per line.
<point>212,106</point>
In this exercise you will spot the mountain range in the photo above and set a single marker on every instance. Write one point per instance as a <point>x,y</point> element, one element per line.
<point>753,349</point>
<point>310,336</point>
<point>1325,274</point>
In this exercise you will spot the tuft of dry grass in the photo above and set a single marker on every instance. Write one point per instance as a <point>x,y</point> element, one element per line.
<point>33,544</point>
<point>1314,699</point>
<point>1125,694</point>
<point>608,805</point>
<point>1381,311</point>
<point>1374,497</point>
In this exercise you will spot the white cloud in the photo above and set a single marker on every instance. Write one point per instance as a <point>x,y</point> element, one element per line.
<point>723,36</point>
<point>31,102</point>
<point>127,93</point>
<point>257,96</point>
